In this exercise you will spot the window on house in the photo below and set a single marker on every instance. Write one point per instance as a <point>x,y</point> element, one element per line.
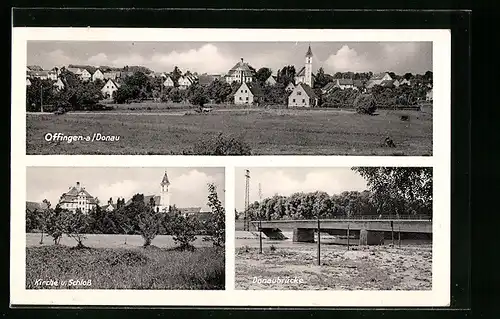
<point>299,93</point>
<point>247,98</point>
<point>240,98</point>
<point>246,91</point>
<point>241,91</point>
<point>293,100</point>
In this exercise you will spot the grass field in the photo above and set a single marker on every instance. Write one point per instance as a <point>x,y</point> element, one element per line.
<point>361,268</point>
<point>268,132</point>
<point>133,267</point>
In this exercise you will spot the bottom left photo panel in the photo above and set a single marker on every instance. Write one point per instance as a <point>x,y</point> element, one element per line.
<point>125,228</point>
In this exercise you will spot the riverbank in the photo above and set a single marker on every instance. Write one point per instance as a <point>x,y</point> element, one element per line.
<point>360,268</point>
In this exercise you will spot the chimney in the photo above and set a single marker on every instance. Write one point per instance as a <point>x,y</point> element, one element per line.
<point>241,60</point>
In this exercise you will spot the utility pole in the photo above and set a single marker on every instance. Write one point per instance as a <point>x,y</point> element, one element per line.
<point>319,241</point>
<point>41,98</point>
<point>247,200</point>
<point>260,220</point>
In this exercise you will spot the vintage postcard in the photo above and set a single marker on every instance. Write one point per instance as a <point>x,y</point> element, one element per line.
<point>230,167</point>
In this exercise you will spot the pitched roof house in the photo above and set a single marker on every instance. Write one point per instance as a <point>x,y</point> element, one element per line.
<point>248,93</point>
<point>240,72</point>
<point>109,89</point>
<point>59,84</point>
<point>302,96</point>
<point>290,87</point>
<point>377,79</point>
<point>271,80</point>
<point>168,82</point>
<point>111,75</point>
<point>186,81</point>
<point>98,75</point>
<point>77,198</point>
<point>35,206</point>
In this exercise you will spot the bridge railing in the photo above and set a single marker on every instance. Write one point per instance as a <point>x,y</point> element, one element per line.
<point>368,217</point>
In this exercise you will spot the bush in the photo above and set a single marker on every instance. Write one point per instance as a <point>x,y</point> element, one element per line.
<point>222,145</point>
<point>365,104</point>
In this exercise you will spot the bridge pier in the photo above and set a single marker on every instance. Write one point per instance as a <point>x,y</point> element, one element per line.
<point>303,235</point>
<point>371,237</point>
<point>274,233</point>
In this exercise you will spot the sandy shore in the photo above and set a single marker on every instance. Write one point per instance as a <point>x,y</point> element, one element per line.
<point>361,268</point>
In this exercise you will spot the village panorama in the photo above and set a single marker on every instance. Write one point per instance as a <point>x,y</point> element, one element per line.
<point>146,240</point>
<point>250,109</point>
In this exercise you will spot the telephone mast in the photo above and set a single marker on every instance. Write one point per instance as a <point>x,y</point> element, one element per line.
<point>260,219</point>
<point>247,199</point>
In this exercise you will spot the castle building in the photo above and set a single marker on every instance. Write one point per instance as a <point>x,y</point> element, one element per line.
<point>305,74</point>
<point>242,72</point>
<point>77,198</point>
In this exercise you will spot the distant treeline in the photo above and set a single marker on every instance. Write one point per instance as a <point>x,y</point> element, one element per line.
<point>396,191</point>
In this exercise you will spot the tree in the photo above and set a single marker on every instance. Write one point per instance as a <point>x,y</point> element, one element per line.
<point>183,229</point>
<point>399,190</point>
<point>175,95</point>
<point>198,95</point>
<point>43,218</point>
<point>176,74</point>
<point>77,225</point>
<point>149,222</point>
<point>57,223</point>
<point>322,78</point>
<point>286,75</point>
<point>428,76</point>
<point>219,91</point>
<point>263,74</point>
<point>365,104</point>
<point>408,76</point>
<point>215,225</point>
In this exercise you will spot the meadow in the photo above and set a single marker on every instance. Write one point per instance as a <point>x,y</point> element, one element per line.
<point>174,131</point>
<point>114,264</point>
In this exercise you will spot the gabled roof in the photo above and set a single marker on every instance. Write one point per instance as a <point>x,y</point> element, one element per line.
<point>205,79</point>
<point>357,83</point>
<point>344,81</point>
<point>32,206</point>
<point>112,81</point>
<point>112,206</point>
<point>329,86</point>
<point>309,91</point>
<point>74,70</point>
<point>387,83</point>
<point>39,73</point>
<point>254,88</point>
<point>302,72</point>
<point>35,67</point>
<point>378,76</point>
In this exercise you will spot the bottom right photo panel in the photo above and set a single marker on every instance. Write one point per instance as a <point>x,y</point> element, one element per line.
<point>333,228</point>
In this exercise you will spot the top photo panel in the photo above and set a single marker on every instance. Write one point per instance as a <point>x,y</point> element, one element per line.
<point>229,98</point>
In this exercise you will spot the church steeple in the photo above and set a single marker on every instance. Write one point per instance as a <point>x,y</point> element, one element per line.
<point>308,79</point>
<point>164,193</point>
<point>309,53</point>
<point>165,180</point>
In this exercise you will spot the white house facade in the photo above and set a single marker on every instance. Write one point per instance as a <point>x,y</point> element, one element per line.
<point>98,75</point>
<point>168,82</point>
<point>248,93</point>
<point>302,96</point>
<point>77,198</point>
<point>109,89</point>
<point>240,73</point>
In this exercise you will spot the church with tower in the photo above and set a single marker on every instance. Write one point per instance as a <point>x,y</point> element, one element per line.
<point>303,94</point>
<point>162,201</point>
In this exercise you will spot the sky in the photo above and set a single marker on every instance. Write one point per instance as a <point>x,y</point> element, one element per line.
<point>219,57</point>
<point>188,186</point>
<point>286,181</point>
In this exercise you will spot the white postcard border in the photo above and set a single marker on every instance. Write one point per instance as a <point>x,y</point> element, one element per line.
<point>440,161</point>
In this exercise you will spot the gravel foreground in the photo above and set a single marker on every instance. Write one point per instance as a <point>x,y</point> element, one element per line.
<point>360,268</point>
